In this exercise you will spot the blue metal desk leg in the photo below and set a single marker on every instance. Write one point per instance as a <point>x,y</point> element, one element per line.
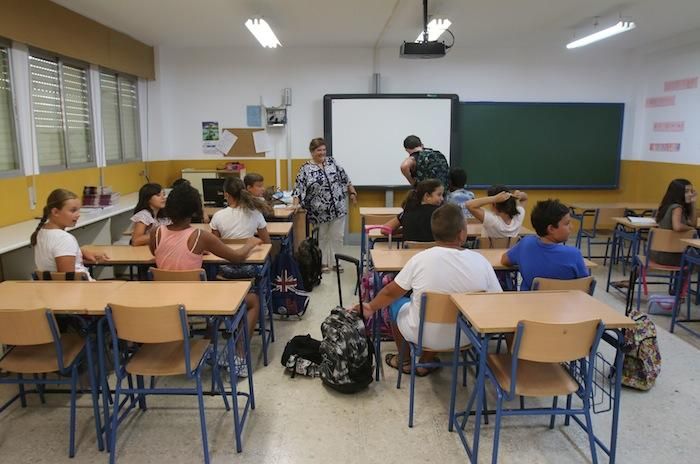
<point>104,385</point>
<point>613,256</point>
<point>453,385</point>
<point>375,331</point>
<point>483,351</point>
<point>618,387</point>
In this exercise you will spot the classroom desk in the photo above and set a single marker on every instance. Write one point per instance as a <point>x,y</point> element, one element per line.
<point>277,213</point>
<point>62,297</point>
<point>633,206</point>
<point>379,211</point>
<point>395,260</point>
<point>625,230</point>
<point>482,315</point>
<point>133,255</point>
<point>275,229</point>
<point>473,231</point>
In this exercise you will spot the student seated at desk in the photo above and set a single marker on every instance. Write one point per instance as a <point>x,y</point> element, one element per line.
<point>149,210</point>
<point>242,219</point>
<point>418,207</point>
<point>255,184</point>
<point>179,247</point>
<point>458,193</point>
<point>677,212</point>
<point>55,249</point>
<point>506,215</point>
<point>546,254</point>
<point>204,218</point>
<point>445,268</point>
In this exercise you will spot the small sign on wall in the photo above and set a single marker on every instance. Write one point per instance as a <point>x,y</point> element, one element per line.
<point>210,136</point>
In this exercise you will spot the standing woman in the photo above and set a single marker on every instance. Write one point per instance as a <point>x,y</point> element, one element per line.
<point>321,187</point>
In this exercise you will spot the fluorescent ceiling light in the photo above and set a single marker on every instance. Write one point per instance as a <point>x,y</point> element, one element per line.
<point>262,31</point>
<point>618,28</point>
<point>435,28</point>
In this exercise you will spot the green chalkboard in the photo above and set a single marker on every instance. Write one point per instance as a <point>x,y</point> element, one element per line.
<point>540,145</point>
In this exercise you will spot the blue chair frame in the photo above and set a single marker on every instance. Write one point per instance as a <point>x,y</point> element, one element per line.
<point>689,263</point>
<point>63,370</point>
<point>416,351</point>
<point>122,355</point>
<point>584,393</point>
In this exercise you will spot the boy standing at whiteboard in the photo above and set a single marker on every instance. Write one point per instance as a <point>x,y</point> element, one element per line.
<point>423,163</point>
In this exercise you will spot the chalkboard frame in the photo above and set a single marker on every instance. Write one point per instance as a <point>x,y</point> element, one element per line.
<point>456,158</point>
<point>328,119</point>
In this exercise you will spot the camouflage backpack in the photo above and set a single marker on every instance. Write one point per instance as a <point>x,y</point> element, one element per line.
<point>346,352</point>
<point>642,362</point>
<point>431,164</point>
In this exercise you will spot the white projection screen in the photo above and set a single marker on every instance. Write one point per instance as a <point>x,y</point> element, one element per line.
<point>365,133</point>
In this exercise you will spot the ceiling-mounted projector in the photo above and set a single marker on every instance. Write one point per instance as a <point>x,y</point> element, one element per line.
<point>433,49</point>
<point>423,47</point>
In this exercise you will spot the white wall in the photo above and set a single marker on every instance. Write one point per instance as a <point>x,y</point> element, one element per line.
<point>657,68</point>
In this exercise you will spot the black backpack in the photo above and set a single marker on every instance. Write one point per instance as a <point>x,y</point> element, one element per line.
<point>302,356</point>
<point>308,257</point>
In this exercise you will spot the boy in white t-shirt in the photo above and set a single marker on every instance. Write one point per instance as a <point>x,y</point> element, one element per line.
<point>507,213</point>
<point>445,268</point>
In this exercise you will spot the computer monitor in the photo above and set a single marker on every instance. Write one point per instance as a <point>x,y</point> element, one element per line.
<point>213,190</point>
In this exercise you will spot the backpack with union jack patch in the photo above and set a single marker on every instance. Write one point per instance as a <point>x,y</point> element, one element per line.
<point>288,295</point>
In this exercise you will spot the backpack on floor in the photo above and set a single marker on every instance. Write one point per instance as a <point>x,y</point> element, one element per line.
<point>308,257</point>
<point>346,352</point>
<point>384,315</point>
<point>288,295</point>
<point>302,356</point>
<point>642,362</point>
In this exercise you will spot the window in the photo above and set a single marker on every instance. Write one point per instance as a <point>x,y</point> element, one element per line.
<point>9,159</point>
<point>61,110</point>
<point>120,121</point>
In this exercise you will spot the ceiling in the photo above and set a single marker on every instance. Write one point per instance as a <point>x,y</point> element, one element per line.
<point>363,23</point>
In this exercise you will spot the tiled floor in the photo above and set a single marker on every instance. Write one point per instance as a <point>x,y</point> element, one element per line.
<point>300,421</point>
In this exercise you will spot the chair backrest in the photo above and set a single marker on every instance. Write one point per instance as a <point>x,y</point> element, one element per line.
<point>378,219</point>
<point>418,245</point>
<point>501,242</point>
<point>158,324</point>
<point>193,275</point>
<point>572,340</point>
<point>585,284</point>
<point>668,241</point>
<point>234,241</point>
<point>605,215</point>
<point>439,308</point>
<point>51,275</point>
<point>473,220</point>
<point>25,327</point>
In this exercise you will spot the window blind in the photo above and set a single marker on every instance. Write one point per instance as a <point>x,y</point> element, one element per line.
<point>110,116</point>
<point>8,148</point>
<point>46,108</point>
<point>76,107</point>
<point>129,108</point>
<point>120,117</point>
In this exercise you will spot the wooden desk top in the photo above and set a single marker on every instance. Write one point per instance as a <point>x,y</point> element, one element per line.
<point>637,206</point>
<point>473,230</point>
<point>126,255</point>
<point>501,312</point>
<point>631,225</point>
<point>395,260</point>
<point>275,229</point>
<point>203,298</point>
<point>277,213</point>
<point>372,211</point>
<point>69,297</point>
<point>693,242</point>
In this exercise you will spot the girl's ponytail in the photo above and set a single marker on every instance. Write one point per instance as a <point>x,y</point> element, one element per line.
<point>44,218</point>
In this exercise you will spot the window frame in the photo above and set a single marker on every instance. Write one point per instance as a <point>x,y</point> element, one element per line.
<point>118,78</point>
<point>92,153</point>
<point>14,122</point>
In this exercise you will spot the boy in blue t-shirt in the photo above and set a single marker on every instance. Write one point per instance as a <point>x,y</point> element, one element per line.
<point>546,255</point>
<point>458,194</point>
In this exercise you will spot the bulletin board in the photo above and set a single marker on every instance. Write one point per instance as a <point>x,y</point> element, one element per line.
<point>244,146</point>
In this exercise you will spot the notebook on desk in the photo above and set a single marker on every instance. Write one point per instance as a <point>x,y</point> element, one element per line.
<point>641,220</point>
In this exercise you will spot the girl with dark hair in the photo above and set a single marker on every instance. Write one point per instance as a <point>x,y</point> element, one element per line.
<point>179,247</point>
<point>321,188</point>
<point>149,210</point>
<point>418,208</point>
<point>55,249</point>
<point>507,213</point>
<point>676,212</point>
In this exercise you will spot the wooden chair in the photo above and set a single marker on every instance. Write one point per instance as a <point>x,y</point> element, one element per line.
<point>418,245</point>
<point>660,240</point>
<point>535,369</point>
<point>500,242</point>
<point>435,308</point>
<point>161,275</point>
<point>37,348</point>
<point>52,275</point>
<point>585,284</point>
<point>602,225</point>
<point>163,348</point>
